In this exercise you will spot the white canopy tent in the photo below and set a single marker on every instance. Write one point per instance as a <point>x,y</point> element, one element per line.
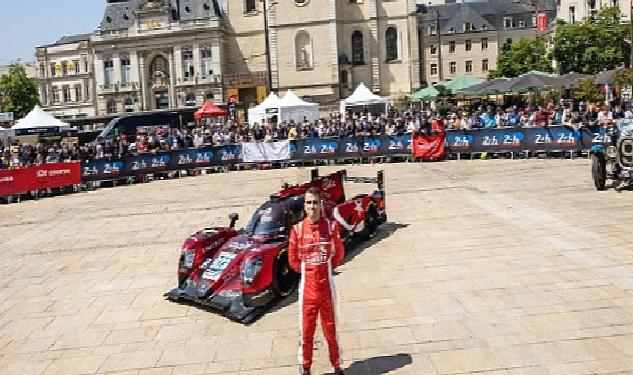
<point>289,108</point>
<point>362,96</point>
<point>38,119</point>
<point>259,114</point>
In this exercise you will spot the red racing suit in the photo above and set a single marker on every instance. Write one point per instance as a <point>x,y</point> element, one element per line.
<point>315,249</point>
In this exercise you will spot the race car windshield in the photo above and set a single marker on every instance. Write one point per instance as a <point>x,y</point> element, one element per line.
<point>263,224</point>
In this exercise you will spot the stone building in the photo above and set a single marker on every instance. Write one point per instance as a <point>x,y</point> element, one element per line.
<point>575,10</point>
<point>64,73</point>
<point>471,36</point>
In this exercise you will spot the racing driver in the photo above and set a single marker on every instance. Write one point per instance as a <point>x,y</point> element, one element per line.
<point>315,249</point>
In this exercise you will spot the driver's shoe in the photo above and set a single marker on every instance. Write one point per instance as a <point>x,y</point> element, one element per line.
<point>339,372</point>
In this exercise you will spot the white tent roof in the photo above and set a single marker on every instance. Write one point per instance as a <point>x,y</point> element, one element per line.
<point>363,96</point>
<point>272,101</point>
<point>292,100</point>
<point>37,118</point>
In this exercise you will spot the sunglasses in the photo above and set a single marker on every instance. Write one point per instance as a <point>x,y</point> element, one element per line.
<point>312,202</point>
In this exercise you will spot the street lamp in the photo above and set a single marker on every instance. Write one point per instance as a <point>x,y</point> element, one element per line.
<point>267,7</point>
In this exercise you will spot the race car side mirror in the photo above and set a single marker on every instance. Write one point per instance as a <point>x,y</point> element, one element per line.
<point>233,217</point>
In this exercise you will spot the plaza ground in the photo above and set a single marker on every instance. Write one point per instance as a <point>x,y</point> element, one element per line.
<point>490,267</point>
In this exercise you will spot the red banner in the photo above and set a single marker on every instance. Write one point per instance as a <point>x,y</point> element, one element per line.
<point>541,22</point>
<point>430,147</point>
<point>15,181</point>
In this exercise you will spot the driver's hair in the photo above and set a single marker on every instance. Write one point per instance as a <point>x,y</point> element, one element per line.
<point>314,191</point>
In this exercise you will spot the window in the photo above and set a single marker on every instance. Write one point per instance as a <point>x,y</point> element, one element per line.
<point>484,27</point>
<point>84,58</point>
<point>484,43</point>
<point>125,69</point>
<point>129,105</point>
<point>469,66</point>
<point>66,93</point>
<point>190,100</point>
<point>250,6</point>
<point>509,41</point>
<point>615,3</point>
<point>592,4</point>
<point>433,29</point>
<point>44,94</point>
<point>78,92</point>
<point>77,66</point>
<point>108,71</point>
<point>358,48</point>
<point>187,63</point>
<point>64,68</point>
<point>433,49</point>
<point>303,50</point>
<point>572,14</point>
<point>451,46</point>
<point>205,56</point>
<point>86,91</point>
<point>507,22</point>
<point>53,69</point>
<point>391,42</point>
<point>111,106</point>
<point>533,20</point>
<point>42,70</point>
<point>433,69</point>
<point>468,44</point>
<point>452,67</point>
<point>55,91</point>
<point>468,26</point>
<point>355,1</point>
<point>484,65</point>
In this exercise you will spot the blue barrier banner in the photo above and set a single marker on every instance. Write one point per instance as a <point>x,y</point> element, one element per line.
<point>551,138</point>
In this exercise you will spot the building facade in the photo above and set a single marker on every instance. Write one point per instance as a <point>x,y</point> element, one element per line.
<point>575,10</point>
<point>64,71</point>
<point>466,38</point>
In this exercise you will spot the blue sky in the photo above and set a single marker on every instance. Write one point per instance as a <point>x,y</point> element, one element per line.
<point>25,24</point>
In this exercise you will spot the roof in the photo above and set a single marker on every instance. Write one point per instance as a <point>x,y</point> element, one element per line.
<point>486,15</point>
<point>120,15</point>
<point>66,39</point>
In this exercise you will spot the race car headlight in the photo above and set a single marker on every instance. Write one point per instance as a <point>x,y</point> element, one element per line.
<point>611,130</point>
<point>187,258</point>
<point>612,152</point>
<point>250,269</point>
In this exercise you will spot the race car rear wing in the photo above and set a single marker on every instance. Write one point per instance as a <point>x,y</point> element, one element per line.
<point>378,180</point>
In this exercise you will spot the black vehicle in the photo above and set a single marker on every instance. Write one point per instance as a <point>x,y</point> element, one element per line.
<point>131,125</point>
<point>615,161</point>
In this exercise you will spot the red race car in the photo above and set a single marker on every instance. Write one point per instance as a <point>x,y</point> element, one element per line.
<point>242,272</point>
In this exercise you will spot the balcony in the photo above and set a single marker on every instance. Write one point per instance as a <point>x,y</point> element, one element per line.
<point>119,87</point>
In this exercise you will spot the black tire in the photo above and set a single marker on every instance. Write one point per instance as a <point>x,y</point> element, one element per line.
<point>371,222</point>
<point>599,171</point>
<point>285,279</point>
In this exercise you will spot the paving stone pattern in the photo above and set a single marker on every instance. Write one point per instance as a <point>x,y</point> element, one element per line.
<point>489,267</point>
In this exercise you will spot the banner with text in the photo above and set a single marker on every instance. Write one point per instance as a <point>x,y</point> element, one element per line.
<point>253,152</point>
<point>45,176</point>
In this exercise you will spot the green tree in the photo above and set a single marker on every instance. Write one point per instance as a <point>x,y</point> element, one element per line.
<point>598,42</point>
<point>587,90</point>
<point>18,93</point>
<point>521,57</point>
<point>623,77</point>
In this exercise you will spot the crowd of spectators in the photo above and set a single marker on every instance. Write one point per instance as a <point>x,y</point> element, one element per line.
<point>151,140</point>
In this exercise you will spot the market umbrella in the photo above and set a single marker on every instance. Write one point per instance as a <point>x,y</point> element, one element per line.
<point>482,88</point>
<point>570,79</point>
<point>209,109</point>
<point>424,94</point>
<point>461,83</point>
<point>605,78</point>
<point>532,81</point>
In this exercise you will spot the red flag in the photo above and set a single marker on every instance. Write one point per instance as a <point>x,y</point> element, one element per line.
<point>541,22</point>
<point>429,147</point>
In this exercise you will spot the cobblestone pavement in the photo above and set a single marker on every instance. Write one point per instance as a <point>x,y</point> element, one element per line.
<point>490,267</point>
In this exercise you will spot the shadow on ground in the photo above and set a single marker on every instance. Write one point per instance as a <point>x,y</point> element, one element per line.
<point>379,365</point>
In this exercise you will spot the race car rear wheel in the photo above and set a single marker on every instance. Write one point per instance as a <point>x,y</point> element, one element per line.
<point>284,278</point>
<point>599,171</point>
<point>371,222</point>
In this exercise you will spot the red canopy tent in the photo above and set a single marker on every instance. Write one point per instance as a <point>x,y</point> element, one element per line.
<point>209,109</point>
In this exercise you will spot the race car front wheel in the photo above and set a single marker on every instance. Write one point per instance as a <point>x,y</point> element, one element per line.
<point>284,278</point>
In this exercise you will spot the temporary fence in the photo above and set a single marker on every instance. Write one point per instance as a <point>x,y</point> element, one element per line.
<point>457,142</point>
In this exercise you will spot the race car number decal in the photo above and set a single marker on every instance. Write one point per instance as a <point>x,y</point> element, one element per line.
<point>218,265</point>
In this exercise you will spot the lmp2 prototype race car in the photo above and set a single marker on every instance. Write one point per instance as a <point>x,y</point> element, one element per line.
<point>241,272</point>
